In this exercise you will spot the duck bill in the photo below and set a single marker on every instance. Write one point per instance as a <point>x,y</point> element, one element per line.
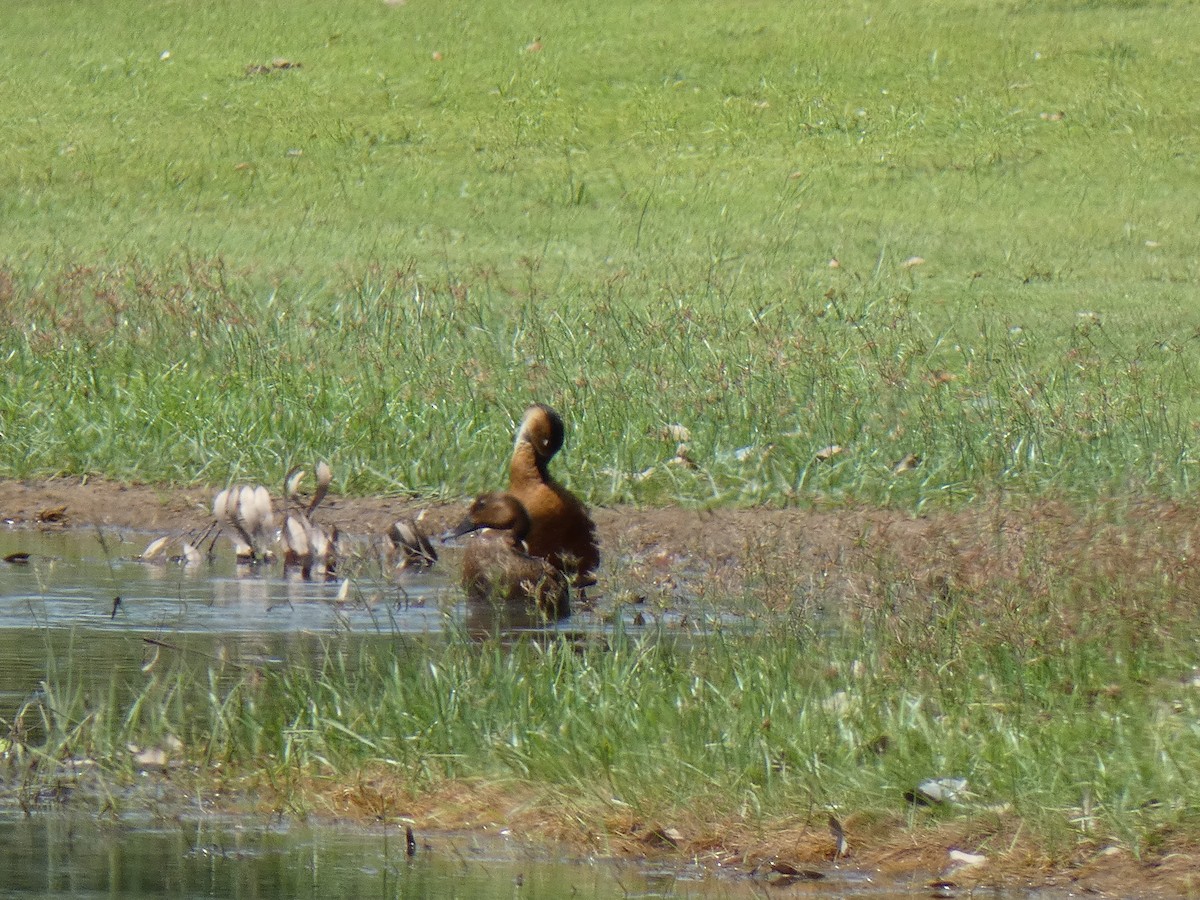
<point>466,526</point>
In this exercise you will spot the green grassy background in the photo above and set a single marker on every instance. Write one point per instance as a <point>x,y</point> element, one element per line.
<point>381,255</point>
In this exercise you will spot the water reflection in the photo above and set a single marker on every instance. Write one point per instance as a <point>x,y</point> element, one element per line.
<point>73,579</point>
<point>84,605</point>
<point>92,580</point>
<point>66,855</point>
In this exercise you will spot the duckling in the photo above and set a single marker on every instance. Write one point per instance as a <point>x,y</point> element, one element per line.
<point>496,566</point>
<point>190,554</point>
<point>308,546</point>
<point>247,510</point>
<point>562,531</point>
<point>410,547</point>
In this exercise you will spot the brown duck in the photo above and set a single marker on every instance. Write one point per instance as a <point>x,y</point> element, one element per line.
<point>561,530</point>
<point>496,567</point>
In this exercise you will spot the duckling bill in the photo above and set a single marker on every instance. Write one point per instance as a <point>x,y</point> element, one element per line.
<point>496,565</point>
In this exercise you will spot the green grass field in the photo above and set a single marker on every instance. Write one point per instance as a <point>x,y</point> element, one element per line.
<point>213,264</point>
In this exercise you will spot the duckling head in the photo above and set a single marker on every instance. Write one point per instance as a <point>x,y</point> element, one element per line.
<point>542,429</point>
<point>499,511</point>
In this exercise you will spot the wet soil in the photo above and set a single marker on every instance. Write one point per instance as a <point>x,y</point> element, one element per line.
<point>845,549</point>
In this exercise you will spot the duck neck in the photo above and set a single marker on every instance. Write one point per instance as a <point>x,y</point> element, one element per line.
<point>517,534</point>
<point>527,466</point>
<point>517,528</point>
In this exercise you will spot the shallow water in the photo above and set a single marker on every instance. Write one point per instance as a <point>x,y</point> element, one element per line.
<point>84,598</point>
<point>73,577</point>
<point>59,614</point>
<point>61,855</point>
<point>60,610</point>
<point>64,855</point>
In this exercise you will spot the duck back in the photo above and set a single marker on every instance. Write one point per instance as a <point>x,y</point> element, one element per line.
<point>497,573</point>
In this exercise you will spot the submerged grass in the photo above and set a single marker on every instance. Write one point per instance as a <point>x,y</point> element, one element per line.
<point>1068,704</point>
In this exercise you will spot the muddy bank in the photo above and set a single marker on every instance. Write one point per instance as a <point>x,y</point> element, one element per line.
<point>843,549</point>
<point>888,857</point>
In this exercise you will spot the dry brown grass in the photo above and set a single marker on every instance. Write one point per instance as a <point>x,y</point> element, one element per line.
<point>891,848</point>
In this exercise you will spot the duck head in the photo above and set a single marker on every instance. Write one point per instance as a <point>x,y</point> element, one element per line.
<point>499,511</point>
<point>542,431</point>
